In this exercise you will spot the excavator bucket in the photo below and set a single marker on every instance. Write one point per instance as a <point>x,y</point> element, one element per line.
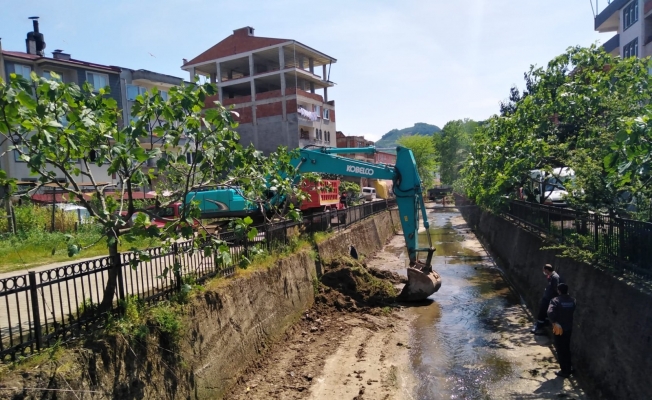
<point>422,282</point>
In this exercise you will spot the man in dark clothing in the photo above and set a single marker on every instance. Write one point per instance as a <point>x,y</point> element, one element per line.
<point>560,313</point>
<point>551,291</point>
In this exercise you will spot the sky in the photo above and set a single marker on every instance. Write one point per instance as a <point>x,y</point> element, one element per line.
<point>398,62</point>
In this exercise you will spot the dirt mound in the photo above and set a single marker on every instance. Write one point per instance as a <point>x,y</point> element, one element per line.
<point>353,285</point>
<point>391,276</point>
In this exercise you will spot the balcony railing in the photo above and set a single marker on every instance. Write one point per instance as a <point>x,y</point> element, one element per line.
<point>608,10</point>
<point>612,44</point>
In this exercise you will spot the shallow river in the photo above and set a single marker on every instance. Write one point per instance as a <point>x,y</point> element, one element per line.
<point>472,340</point>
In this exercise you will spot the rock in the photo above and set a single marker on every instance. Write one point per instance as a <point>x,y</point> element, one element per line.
<point>313,329</point>
<point>308,377</point>
<point>399,344</point>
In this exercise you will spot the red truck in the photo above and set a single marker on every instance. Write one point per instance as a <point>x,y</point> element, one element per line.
<point>324,196</point>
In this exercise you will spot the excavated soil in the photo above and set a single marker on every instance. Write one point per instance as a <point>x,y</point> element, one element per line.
<point>351,344</point>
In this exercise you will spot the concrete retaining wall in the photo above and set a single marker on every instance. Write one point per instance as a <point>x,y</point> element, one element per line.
<point>230,327</point>
<point>368,237</point>
<point>612,337</point>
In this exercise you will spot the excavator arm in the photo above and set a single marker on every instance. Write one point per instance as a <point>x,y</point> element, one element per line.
<point>422,280</point>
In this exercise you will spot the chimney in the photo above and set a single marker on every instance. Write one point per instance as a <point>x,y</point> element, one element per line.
<point>35,42</point>
<point>60,55</point>
<point>246,31</point>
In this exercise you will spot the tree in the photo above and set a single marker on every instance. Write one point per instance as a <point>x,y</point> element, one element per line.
<point>424,154</point>
<point>62,130</point>
<point>452,148</point>
<point>568,116</point>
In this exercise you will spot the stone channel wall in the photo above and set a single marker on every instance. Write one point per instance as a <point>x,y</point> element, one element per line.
<point>612,337</point>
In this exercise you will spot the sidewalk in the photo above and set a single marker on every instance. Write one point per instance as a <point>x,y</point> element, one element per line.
<point>4,275</point>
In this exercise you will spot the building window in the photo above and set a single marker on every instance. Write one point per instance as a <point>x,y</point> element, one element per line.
<point>164,95</point>
<point>327,114</point>
<point>98,81</point>
<point>17,153</point>
<point>23,70</point>
<point>56,77</point>
<point>630,14</point>
<point>631,49</point>
<point>133,91</point>
<point>316,110</point>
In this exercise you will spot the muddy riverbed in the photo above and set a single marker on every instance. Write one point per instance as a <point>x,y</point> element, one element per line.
<point>471,341</point>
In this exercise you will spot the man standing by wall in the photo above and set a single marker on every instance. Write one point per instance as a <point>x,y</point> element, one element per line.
<point>550,292</point>
<point>560,313</point>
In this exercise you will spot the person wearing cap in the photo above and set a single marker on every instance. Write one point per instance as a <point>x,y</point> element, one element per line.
<point>560,314</point>
<point>550,292</point>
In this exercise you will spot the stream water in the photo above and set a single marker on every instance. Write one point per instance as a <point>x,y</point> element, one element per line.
<point>454,338</point>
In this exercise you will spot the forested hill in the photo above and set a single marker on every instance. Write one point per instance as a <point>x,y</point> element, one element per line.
<point>420,128</point>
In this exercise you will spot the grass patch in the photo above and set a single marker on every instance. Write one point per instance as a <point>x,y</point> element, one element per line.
<point>23,364</point>
<point>265,260</point>
<point>320,237</point>
<point>38,247</point>
<point>137,321</point>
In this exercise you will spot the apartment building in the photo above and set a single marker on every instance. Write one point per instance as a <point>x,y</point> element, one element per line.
<point>125,85</point>
<point>380,157</point>
<point>137,82</point>
<point>69,70</point>
<point>631,21</point>
<point>278,87</point>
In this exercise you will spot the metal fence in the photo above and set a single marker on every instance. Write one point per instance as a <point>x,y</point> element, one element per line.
<point>38,309</point>
<point>626,243</point>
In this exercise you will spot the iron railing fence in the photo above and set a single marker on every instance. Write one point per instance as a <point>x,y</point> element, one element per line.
<point>626,243</point>
<point>60,304</point>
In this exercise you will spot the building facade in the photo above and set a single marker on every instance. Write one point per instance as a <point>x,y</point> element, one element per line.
<point>69,70</point>
<point>124,83</point>
<point>379,157</point>
<point>630,23</point>
<point>278,87</point>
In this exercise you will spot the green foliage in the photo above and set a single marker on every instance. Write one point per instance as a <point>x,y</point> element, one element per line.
<point>132,320</point>
<point>54,127</point>
<point>575,113</point>
<point>315,285</point>
<point>452,148</point>
<point>390,138</point>
<point>424,155</point>
<point>576,247</point>
<point>87,309</point>
<point>38,246</point>
<point>166,319</point>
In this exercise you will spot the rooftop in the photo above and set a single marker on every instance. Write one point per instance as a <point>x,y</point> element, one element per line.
<point>243,40</point>
<point>77,63</point>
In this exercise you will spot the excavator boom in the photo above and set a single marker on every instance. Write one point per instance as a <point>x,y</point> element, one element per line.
<point>422,280</point>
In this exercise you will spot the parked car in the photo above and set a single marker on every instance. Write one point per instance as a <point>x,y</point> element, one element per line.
<point>550,186</point>
<point>369,193</point>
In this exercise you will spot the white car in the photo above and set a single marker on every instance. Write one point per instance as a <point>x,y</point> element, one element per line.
<point>369,193</point>
<point>83,216</point>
